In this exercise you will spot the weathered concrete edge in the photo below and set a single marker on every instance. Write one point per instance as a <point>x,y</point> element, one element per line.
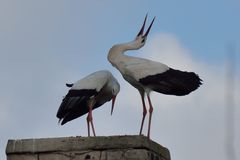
<point>65,144</point>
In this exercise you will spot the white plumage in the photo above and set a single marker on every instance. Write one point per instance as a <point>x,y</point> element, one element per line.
<point>133,66</point>
<point>94,81</point>
<point>87,94</point>
<point>146,75</point>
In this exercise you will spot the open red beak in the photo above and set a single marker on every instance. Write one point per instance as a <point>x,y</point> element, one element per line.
<point>142,29</point>
<point>113,102</point>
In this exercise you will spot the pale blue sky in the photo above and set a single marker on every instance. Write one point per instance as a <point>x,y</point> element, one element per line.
<point>44,44</point>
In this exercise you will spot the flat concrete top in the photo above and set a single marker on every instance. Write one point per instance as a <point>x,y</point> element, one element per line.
<point>43,145</point>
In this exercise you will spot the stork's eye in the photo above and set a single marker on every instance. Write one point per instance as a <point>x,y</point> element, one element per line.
<point>143,40</point>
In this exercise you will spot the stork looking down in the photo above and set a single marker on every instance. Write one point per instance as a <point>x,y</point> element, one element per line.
<point>146,75</point>
<point>86,95</point>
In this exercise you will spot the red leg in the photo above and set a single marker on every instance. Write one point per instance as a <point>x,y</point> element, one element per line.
<point>94,134</point>
<point>88,125</point>
<point>150,114</point>
<point>90,119</point>
<point>144,112</point>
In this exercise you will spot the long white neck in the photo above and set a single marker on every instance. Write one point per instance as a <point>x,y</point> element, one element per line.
<point>117,52</point>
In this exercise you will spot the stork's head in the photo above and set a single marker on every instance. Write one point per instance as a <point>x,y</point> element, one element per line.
<point>141,37</point>
<point>115,91</point>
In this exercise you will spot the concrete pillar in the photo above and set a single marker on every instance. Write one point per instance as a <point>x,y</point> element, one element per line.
<point>87,148</point>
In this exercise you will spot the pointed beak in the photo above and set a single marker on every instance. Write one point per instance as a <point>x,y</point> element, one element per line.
<point>143,26</point>
<point>113,102</point>
<point>142,29</point>
<point>149,28</point>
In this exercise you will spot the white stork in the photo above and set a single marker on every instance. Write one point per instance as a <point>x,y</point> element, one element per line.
<point>86,95</point>
<point>146,75</point>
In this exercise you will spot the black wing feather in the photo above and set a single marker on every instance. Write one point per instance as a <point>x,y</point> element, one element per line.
<point>173,82</point>
<point>74,104</point>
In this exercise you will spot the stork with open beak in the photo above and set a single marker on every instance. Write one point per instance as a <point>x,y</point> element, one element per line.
<point>86,95</point>
<point>147,75</point>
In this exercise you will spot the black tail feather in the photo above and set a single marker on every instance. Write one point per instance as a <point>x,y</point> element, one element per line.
<point>69,84</point>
